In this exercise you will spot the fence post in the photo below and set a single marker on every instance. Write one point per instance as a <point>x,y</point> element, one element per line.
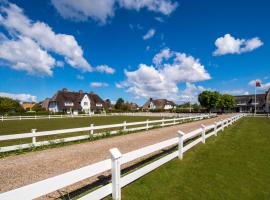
<point>2,118</point>
<point>61,116</point>
<point>20,117</point>
<point>116,173</point>
<point>91,130</point>
<point>33,137</point>
<point>147,124</point>
<point>174,121</point>
<point>216,125</point>
<point>125,126</point>
<point>222,125</point>
<point>180,144</point>
<point>49,116</point>
<point>162,122</point>
<point>203,133</point>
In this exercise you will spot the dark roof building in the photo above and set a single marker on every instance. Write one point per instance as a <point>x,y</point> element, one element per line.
<point>158,104</point>
<point>67,101</point>
<point>246,103</point>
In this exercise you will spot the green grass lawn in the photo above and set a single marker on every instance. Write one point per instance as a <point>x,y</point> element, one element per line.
<point>22,126</point>
<point>25,126</point>
<point>234,165</point>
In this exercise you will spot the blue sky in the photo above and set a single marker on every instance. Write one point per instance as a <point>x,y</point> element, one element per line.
<point>109,46</point>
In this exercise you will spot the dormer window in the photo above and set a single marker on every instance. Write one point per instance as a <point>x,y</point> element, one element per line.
<point>69,103</point>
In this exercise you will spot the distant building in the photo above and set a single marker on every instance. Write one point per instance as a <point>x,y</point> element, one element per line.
<point>159,104</point>
<point>74,102</point>
<point>246,103</point>
<point>28,105</point>
<point>45,103</point>
<point>133,106</point>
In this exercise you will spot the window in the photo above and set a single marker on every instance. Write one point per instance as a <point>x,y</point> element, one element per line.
<point>85,103</point>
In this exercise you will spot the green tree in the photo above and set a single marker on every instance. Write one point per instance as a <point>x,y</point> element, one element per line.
<point>8,105</point>
<point>227,102</point>
<point>210,100</point>
<point>119,104</point>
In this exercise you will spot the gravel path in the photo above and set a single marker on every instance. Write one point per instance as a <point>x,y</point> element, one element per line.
<point>20,170</point>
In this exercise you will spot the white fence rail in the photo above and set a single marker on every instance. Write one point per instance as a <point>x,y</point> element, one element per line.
<point>124,128</point>
<point>47,186</point>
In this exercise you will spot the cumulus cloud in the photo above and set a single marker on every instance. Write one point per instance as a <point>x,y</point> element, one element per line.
<point>164,54</point>
<point>149,34</point>
<point>102,10</point>
<point>20,26</point>
<point>160,81</point>
<point>20,97</point>
<point>24,54</point>
<point>105,69</point>
<point>80,77</point>
<point>99,84</point>
<point>230,45</point>
<point>264,86</point>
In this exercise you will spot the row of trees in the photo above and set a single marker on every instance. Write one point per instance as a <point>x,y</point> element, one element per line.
<point>213,100</point>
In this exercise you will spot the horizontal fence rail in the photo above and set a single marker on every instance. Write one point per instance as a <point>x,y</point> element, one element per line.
<point>90,130</point>
<point>49,185</point>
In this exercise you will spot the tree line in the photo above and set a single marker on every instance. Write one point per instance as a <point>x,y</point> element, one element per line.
<point>214,101</point>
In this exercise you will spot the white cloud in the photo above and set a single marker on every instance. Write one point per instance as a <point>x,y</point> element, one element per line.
<point>99,10</point>
<point>105,69</point>
<point>102,10</point>
<point>20,97</point>
<point>161,81</point>
<point>25,55</point>
<point>19,25</point>
<point>150,33</point>
<point>190,93</point>
<point>230,45</point>
<point>165,7</point>
<point>99,84</point>
<point>264,86</point>
<point>164,54</point>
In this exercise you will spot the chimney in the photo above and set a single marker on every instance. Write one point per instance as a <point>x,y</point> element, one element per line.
<point>151,99</point>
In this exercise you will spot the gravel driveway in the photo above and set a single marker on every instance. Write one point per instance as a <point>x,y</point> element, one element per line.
<point>20,170</point>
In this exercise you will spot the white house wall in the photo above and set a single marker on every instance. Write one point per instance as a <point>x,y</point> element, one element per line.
<point>86,104</point>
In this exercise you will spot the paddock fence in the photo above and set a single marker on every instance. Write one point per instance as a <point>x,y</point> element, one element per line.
<point>184,141</point>
<point>88,132</point>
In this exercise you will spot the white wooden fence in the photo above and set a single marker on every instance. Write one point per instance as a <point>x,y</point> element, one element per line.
<point>124,128</point>
<point>147,114</point>
<point>49,185</point>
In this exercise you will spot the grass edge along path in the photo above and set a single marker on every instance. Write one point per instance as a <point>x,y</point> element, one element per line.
<point>234,165</point>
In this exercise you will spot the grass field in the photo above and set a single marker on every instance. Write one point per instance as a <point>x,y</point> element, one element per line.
<point>234,165</point>
<point>22,126</point>
<point>25,126</point>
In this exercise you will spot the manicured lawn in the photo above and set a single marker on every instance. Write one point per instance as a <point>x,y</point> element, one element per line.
<point>22,126</point>
<point>234,165</point>
<point>25,126</point>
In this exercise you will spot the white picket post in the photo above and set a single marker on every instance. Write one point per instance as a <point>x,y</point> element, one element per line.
<point>215,129</point>
<point>20,117</point>
<point>49,116</point>
<point>2,118</point>
<point>162,122</point>
<point>61,116</point>
<point>33,137</point>
<point>203,133</point>
<point>116,173</point>
<point>147,124</point>
<point>174,122</point>
<point>91,130</point>
<point>180,144</point>
<point>125,126</point>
